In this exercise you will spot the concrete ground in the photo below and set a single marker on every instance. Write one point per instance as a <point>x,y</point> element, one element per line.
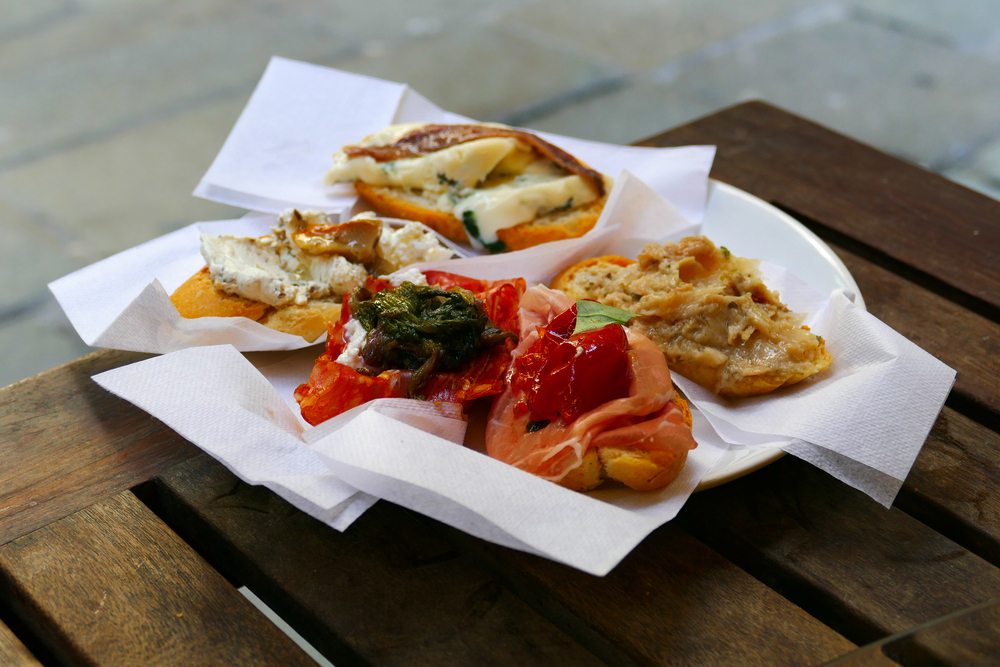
<point>111,110</point>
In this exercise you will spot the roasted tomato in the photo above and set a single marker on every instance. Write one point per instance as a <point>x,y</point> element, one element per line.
<point>334,388</point>
<point>568,375</point>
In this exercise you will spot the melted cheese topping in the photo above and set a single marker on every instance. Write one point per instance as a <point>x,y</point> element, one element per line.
<point>492,183</point>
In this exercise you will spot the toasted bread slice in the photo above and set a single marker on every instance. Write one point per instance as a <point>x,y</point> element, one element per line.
<point>412,205</point>
<point>584,280</point>
<point>694,276</point>
<point>197,297</point>
<point>639,469</point>
<point>308,321</point>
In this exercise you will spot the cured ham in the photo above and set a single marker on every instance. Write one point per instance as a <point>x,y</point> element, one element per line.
<point>647,418</point>
<point>334,387</point>
<point>432,138</point>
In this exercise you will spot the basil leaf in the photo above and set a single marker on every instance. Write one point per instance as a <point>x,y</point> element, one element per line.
<point>591,315</point>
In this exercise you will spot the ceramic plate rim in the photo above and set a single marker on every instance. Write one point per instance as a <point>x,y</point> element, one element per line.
<point>727,471</point>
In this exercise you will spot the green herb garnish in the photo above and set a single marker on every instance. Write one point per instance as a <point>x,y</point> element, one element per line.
<point>725,252</point>
<point>444,180</point>
<point>591,315</point>
<point>422,329</point>
<point>469,220</point>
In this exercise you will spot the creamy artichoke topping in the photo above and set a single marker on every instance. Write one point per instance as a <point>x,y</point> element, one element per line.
<point>489,184</point>
<point>276,271</point>
<point>410,244</point>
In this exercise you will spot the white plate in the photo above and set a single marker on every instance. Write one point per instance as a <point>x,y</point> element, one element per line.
<point>751,227</point>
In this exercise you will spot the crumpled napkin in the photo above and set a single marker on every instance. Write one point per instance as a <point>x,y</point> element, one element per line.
<point>409,452</point>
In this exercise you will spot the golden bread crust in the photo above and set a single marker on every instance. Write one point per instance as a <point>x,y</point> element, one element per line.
<point>579,280</point>
<point>639,469</point>
<point>197,297</point>
<point>400,203</point>
<point>308,321</point>
<point>552,226</point>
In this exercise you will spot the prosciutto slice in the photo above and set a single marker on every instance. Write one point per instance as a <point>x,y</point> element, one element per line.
<point>334,388</point>
<point>647,418</point>
<point>433,138</point>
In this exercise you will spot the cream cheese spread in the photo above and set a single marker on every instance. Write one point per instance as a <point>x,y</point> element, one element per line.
<point>276,271</point>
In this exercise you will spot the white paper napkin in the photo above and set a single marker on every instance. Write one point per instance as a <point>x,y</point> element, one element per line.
<point>406,451</point>
<point>301,114</point>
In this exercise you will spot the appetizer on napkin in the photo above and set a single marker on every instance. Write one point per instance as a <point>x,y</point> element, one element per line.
<point>434,336</point>
<point>294,280</point>
<point>491,185</point>
<point>709,312</point>
<point>579,402</point>
<point>587,401</point>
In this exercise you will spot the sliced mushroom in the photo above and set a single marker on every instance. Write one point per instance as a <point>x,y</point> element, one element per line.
<point>355,239</point>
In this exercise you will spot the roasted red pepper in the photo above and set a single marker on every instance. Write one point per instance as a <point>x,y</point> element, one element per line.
<point>567,375</point>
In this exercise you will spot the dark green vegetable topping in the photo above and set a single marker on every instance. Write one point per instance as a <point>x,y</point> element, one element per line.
<point>469,220</point>
<point>444,180</point>
<point>565,207</point>
<point>422,329</point>
<point>725,252</point>
<point>537,425</point>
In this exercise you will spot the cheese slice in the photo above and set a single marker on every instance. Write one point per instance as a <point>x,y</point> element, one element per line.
<point>489,184</point>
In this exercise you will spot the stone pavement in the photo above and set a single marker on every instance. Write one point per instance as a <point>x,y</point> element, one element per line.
<point>111,110</point>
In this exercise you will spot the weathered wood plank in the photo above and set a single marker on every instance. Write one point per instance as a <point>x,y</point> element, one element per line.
<point>953,484</point>
<point>872,197</point>
<point>859,568</point>
<point>66,443</point>
<point>112,585</point>
<point>387,591</point>
<point>672,601</point>
<point>965,341</point>
<point>12,652</point>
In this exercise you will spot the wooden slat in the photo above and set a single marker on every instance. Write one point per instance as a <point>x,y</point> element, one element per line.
<point>965,341</point>
<point>386,592</point>
<point>872,197</point>
<point>66,443</point>
<point>860,568</point>
<point>12,652</point>
<point>672,601</point>
<point>953,486</point>
<point>112,585</point>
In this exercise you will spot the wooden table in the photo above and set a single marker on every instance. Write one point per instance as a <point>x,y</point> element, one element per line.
<point>123,545</point>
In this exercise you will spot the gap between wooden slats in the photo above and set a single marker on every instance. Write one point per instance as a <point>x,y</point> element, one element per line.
<point>858,190</point>
<point>926,312</point>
<point>13,653</point>
<point>385,592</point>
<point>863,570</point>
<point>112,585</point>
